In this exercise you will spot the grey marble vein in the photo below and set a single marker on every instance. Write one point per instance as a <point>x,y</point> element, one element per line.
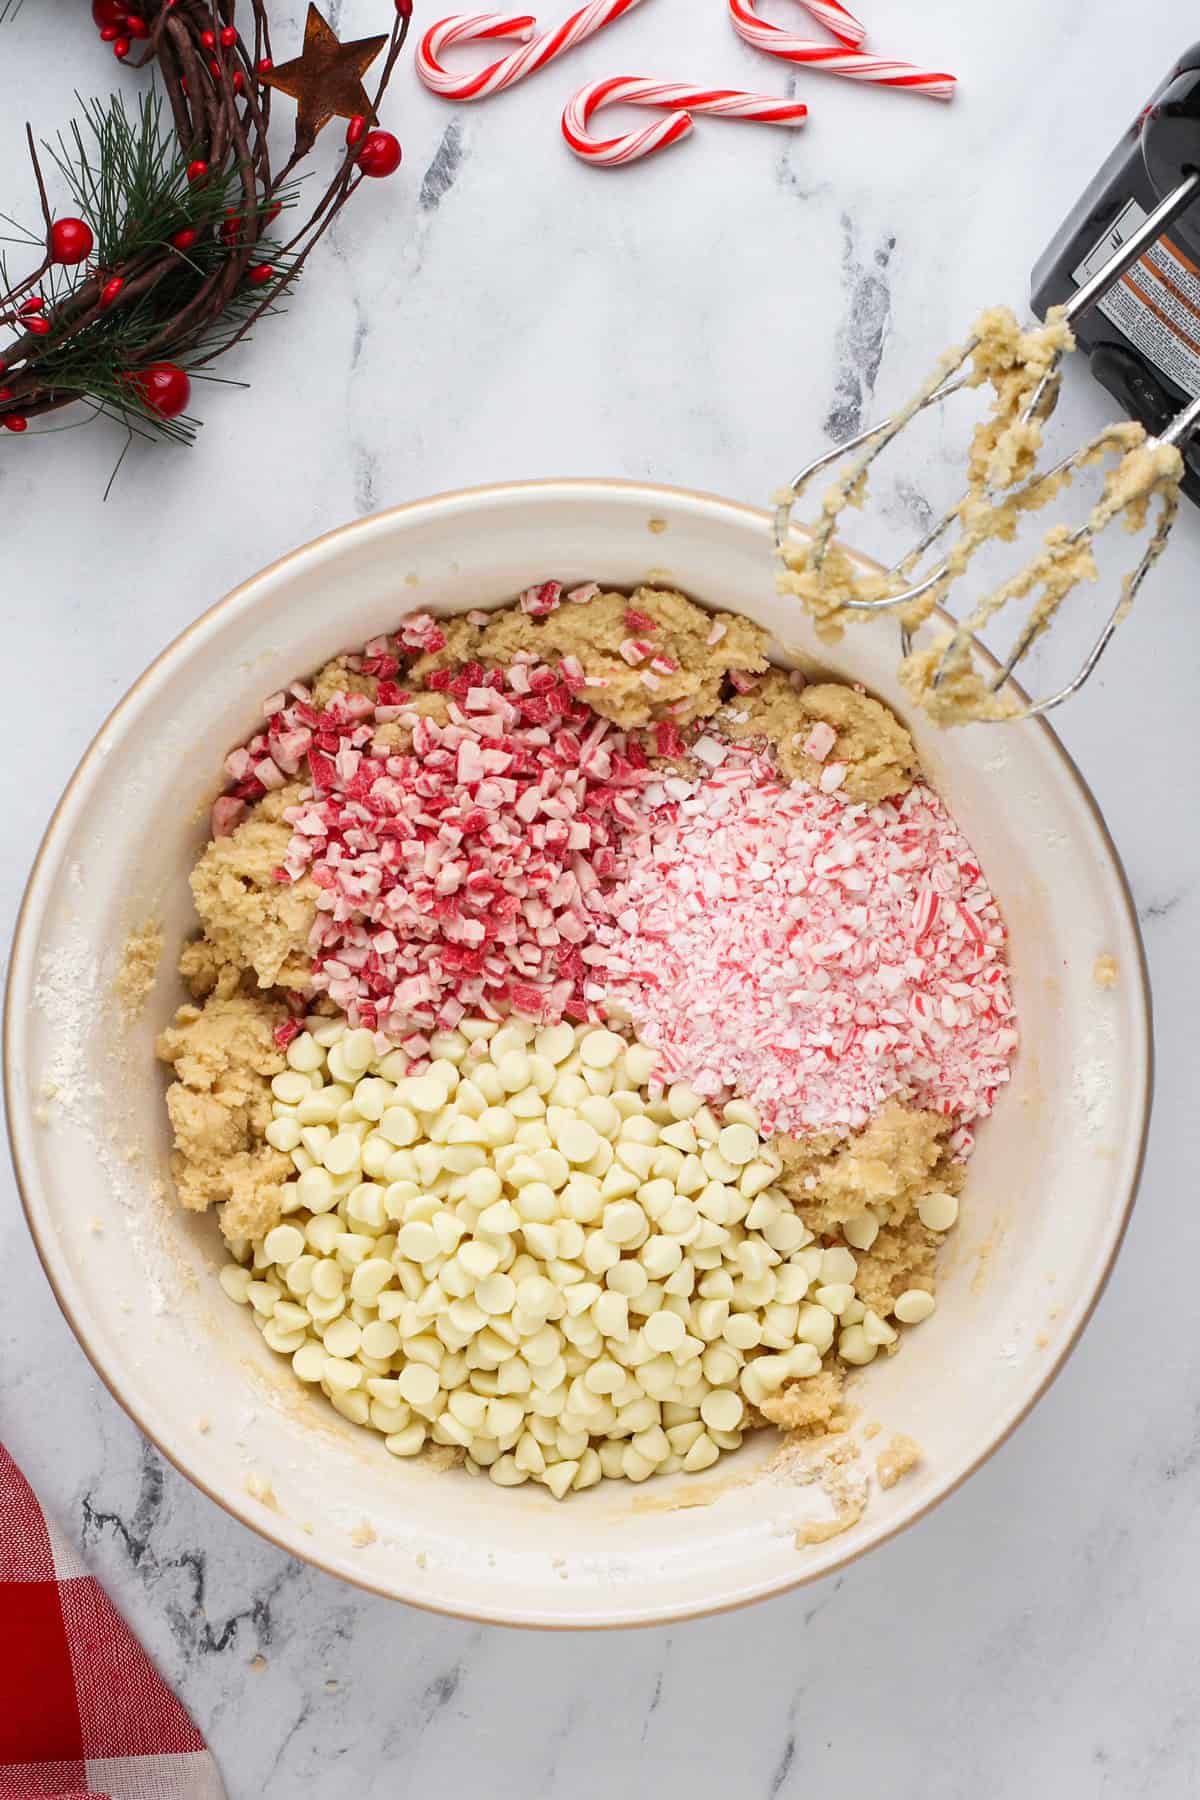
<point>655,1698</point>
<point>178,1581</point>
<point>361,332</point>
<point>366,474</point>
<point>863,334</point>
<point>442,1689</point>
<point>444,168</point>
<point>1153,910</point>
<point>797,172</point>
<point>906,504</point>
<point>783,1767</point>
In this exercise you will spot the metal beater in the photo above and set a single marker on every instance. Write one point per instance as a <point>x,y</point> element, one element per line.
<point>873,441</point>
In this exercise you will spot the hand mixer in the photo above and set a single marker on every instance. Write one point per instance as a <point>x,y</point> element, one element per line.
<point>1142,336</point>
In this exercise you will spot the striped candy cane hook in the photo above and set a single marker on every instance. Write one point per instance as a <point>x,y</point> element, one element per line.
<point>475,27</point>
<point>838,20</point>
<point>725,103</point>
<point>836,59</point>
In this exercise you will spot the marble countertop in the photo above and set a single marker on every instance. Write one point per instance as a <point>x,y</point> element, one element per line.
<point>708,319</point>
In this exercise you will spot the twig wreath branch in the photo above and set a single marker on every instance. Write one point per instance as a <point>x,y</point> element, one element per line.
<point>176,253</point>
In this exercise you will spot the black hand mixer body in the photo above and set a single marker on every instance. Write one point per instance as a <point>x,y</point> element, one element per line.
<point>1143,336</point>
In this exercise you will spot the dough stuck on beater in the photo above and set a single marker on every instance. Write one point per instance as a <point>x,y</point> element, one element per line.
<point>1021,366</point>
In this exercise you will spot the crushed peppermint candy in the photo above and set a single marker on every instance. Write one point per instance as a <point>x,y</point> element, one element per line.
<point>464,874</point>
<point>815,955</point>
<point>635,650</point>
<point>542,600</point>
<point>820,741</point>
<point>421,632</point>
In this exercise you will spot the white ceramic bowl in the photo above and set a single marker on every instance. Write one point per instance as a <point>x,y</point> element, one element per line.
<point>1049,1191</point>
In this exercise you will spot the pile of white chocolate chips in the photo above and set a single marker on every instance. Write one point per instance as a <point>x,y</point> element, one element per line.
<point>585,1076</point>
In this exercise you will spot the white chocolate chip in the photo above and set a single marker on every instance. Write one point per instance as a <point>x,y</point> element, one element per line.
<point>520,1249</point>
<point>860,1233</point>
<point>938,1212</point>
<point>600,1049</point>
<point>913,1306</point>
<point>738,1144</point>
<point>854,1346</point>
<point>291,1087</point>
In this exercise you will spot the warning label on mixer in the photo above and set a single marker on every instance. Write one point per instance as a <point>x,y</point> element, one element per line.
<point>1156,304</point>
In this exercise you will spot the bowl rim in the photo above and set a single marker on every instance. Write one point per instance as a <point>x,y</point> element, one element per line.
<point>26,1181</point>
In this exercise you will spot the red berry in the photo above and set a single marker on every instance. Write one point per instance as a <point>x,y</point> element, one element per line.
<point>137,28</point>
<point>228,36</point>
<point>110,290</point>
<point>209,39</point>
<point>355,130</point>
<point>121,48</point>
<point>404,8</point>
<point>108,12</point>
<point>214,69</point>
<point>34,304</point>
<point>379,155</point>
<point>239,81</point>
<point>109,32</point>
<point>196,171</point>
<point>6,393</point>
<point>14,422</point>
<point>269,219</point>
<point>71,241</point>
<point>231,230</point>
<point>163,387</point>
<point>37,326</point>
<point>261,273</point>
<point>264,65</point>
<point>183,240</point>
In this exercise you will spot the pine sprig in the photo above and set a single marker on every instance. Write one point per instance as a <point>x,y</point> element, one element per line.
<point>130,183</point>
<point>129,180</point>
<point>94,363</point>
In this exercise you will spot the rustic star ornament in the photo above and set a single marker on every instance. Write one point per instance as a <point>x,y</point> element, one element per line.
<point>326,79</point>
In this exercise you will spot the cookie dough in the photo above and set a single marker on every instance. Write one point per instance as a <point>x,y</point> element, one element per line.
<point>703,647</point>
<point>1001,355</point>
<point>1013,360</point>
<point>945,678</point>
<point>337,677</point>
<point>254,946</point>
<point>1019,365</point>
<point>870,742</point>
<point>223,1056</point>
<point>1106,971</point>
<point>896,1461</point>
<point>809,1408</point>
<point>139,968</point>
<point>251,921</point>
<point>873,1184</point>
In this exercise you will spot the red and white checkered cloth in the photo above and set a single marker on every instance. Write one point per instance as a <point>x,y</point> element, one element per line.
<point>84,1715</point>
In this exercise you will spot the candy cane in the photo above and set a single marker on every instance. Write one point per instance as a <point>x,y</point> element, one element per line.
<point>472,27</point>
<point>609,153</point>
<point>838,20</point>
<point>836,59</point>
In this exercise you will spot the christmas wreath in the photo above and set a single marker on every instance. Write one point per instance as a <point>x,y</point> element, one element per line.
<point>178,247</point>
